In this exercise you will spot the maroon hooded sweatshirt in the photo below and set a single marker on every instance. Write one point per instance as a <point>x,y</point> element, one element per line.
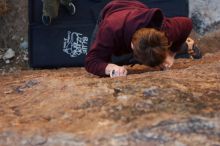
<point>120,19</point>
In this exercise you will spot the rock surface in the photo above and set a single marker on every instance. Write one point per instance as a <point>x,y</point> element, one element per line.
<point>69,107</point>
<point>205,14</point>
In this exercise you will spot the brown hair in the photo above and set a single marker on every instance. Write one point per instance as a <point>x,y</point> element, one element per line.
<point>150,46</point>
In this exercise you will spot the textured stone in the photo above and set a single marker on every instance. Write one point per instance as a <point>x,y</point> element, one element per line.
<point>68,107</point>
<point>205,14</point>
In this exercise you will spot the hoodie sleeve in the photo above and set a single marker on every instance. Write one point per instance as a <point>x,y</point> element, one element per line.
<point>177,30</point>
<point>101,50</point>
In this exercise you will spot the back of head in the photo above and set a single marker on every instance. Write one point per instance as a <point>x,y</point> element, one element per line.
<point>150,46</point>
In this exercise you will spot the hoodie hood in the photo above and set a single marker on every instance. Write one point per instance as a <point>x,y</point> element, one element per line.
<point>138,15</point>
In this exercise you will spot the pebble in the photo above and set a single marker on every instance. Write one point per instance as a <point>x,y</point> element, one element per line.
<point>9,54</point>
<point>25,56</point>
<point>24,45</point>
<point>7,61</point>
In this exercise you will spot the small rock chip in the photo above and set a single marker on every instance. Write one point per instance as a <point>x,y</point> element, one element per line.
<point>9,54</point>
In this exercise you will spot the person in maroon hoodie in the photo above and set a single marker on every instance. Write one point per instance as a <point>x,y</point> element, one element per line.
<point>130,27</point>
